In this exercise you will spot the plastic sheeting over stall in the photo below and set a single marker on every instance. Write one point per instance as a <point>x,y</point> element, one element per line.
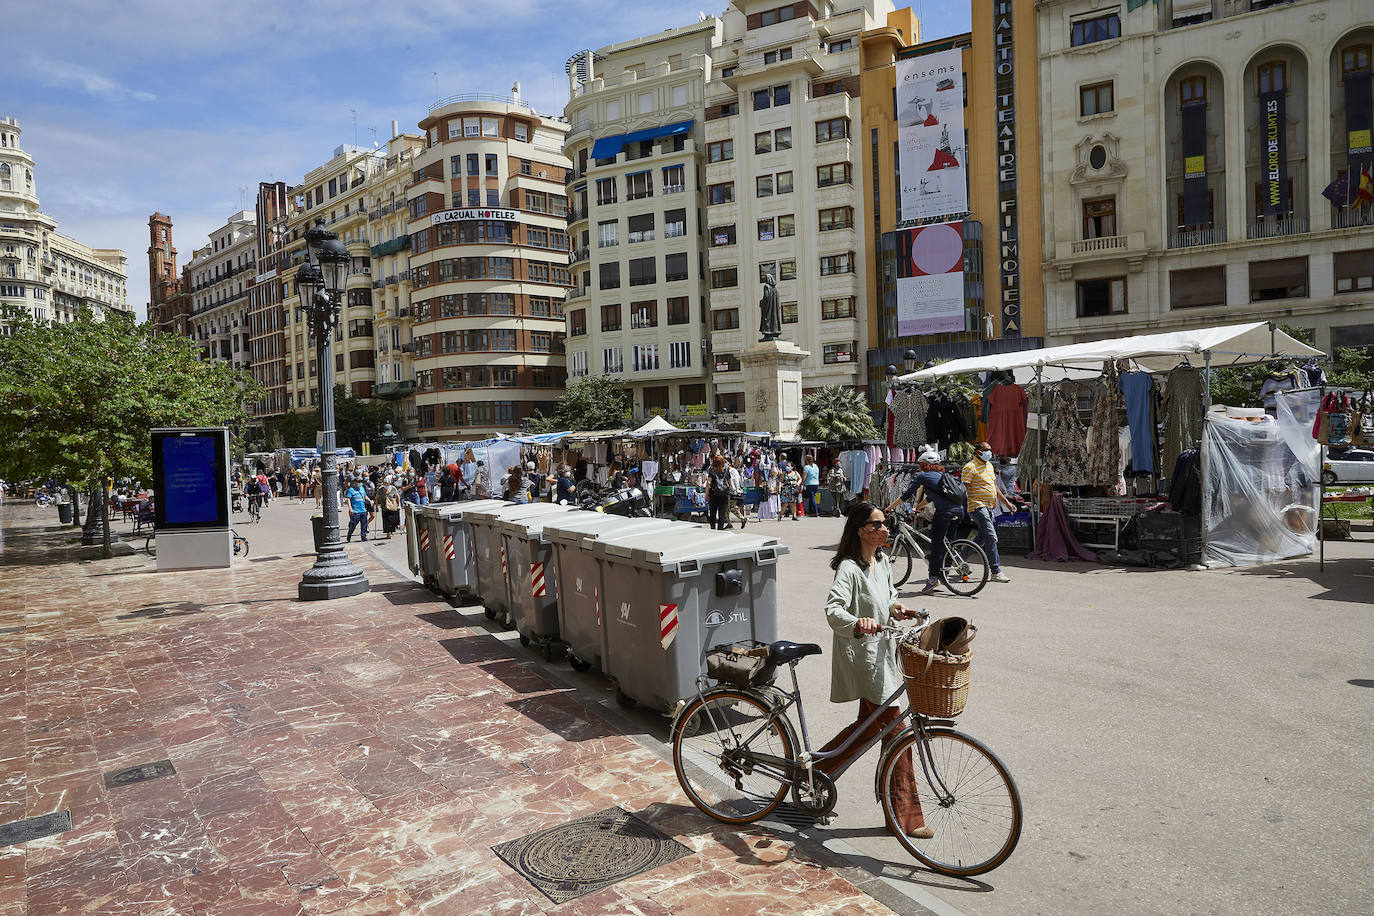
<point>1261,496</point>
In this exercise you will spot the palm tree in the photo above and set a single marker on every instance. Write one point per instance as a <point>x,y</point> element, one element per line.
<point>836,413</point>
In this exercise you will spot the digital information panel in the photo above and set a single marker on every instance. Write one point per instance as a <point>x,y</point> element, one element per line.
<point>191,479</point>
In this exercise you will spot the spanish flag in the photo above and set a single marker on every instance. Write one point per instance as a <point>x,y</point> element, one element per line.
<point>1365,195</point>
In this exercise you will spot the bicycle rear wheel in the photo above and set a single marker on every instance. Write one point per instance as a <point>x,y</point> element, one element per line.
<point>716,746</point>
<point>967,796</point>
<point>965,570</point>
<point>240,546</point>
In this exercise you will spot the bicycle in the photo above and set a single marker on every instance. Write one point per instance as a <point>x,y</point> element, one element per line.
<point>255,501</point>
<point>240,543</point>
<point>735,753</point>
<point>965,571</point>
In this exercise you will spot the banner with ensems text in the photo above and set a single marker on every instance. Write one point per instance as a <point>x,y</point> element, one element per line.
<point>930,135</point>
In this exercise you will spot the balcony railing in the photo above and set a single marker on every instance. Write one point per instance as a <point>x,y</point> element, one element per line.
<point>578,254</point>
<point>1196,238</point>
<point>1104,243</point>
<point>1349,219</point>
<point>1273,228</point>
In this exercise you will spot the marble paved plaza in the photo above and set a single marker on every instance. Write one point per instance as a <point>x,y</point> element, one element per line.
<point>358,756</point>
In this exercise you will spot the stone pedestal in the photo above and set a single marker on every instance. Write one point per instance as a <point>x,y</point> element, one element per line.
<point>772,373</point>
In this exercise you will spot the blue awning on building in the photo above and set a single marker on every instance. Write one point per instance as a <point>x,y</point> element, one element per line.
<point>609,147</point>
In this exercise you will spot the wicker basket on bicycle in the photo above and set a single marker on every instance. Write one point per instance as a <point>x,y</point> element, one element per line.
<point>936,667</point>
<point>744,663</point>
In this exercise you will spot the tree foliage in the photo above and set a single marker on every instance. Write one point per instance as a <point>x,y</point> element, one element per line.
<point>1351,367</point>
<point>836,413</point>
<point>78,400</point>
<point>591,402</point>
<point>355,421</point>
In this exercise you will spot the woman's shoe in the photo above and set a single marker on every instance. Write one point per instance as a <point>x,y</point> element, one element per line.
<point>920,833</point>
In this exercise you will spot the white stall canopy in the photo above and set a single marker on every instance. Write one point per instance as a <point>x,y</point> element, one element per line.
<point>1229,345</point>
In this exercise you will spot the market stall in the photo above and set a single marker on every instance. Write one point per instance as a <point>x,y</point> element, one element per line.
<point>1139,402</point>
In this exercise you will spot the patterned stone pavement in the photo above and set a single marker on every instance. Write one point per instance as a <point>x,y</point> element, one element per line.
<point>359,756</point>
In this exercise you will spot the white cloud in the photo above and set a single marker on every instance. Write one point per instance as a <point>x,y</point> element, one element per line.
<point>67,75</point>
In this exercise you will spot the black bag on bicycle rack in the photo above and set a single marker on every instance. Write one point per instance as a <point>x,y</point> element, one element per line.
<point>744,664</point>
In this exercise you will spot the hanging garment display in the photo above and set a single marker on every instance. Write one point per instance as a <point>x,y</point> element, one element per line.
<point>1006,419</point>
<point>1104,449</point>
<point>909,410</point>
<point>1138,388</point>
<point>944,423</point>
<point>1283,379</point>
<point>1182,410</point>
<point>1066,445</point>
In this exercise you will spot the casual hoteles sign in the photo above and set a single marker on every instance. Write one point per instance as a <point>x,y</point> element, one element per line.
<point>458,216</point>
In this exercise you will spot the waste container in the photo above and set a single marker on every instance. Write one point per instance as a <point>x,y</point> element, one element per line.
<point>452,545</point>
<point>427,540</point>
<point>531,586</point>
<point>670,596</point>
<point>579,576</point>
<point>64,513</point>
<point>491,566</point>
<point>409,520</point>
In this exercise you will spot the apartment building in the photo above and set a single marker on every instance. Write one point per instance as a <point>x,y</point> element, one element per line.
<point>388,218</point>
<point>638,308</point>
<point>1188,145</point>
<point>334,192</point>
<point>48,275</point>
<point>222,273</point>
<point>486,211</point>
<point>783,149</point>
<point>268,298</point>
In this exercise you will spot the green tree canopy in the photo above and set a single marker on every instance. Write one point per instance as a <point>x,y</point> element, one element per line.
<point>78,400</point>
<point>355,421</point>
<point>591,402</point>
<point>836,413</point>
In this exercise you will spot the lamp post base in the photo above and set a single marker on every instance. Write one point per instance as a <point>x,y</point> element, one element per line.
<point>330,578</point>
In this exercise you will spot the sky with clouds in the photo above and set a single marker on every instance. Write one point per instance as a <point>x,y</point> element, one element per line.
<point>183,106</point>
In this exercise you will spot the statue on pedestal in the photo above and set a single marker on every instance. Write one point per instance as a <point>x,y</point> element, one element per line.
<point>770,317</point>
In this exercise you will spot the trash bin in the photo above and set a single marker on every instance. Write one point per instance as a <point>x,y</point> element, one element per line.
<point>531,588</point>
<point>64,513</point>
<point>452,545</point>
<point>670,596</point>
<point>579,576</point>
<point>491,565</point>
<point>409,521</point>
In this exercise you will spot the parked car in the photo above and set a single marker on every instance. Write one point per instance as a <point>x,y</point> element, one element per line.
<point>1353,465</point>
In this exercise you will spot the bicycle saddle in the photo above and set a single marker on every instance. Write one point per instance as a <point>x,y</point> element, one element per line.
<point>783,651</point>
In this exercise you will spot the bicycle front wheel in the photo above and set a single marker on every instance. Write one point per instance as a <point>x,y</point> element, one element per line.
<point>728,750</point>
<point>903,562</point>
<point>966,568</point>
<point>966,795</point>
<point>240,547</point>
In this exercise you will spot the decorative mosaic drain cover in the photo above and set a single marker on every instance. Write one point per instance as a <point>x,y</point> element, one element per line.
<point>140,773</point>
<point>588,854</point>
<point>34,828</point>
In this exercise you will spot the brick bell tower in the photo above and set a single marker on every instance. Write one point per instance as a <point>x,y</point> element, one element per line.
<point>164,283</point>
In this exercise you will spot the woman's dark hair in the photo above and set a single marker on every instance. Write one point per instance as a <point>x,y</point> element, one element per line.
<point>849,548</point>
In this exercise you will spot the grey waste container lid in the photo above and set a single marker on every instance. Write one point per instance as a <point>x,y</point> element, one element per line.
<point>582,525</point>
<point>463,509</point>
<point>529,525</point>
<point>510,511</point>
<point>686,551</point>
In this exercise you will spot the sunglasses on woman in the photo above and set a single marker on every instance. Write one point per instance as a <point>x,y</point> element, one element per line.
<point>875,526</point>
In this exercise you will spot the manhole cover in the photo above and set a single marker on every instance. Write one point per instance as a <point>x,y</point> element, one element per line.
<point>140,773</point>
<point>588,854</point>
<point>33,828</point>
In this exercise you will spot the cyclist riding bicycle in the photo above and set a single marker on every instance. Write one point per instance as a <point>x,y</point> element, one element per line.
<point>862,600</point>
<point>926,489</point>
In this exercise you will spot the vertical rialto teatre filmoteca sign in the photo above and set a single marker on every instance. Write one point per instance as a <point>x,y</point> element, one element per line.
<point>1008,229</point>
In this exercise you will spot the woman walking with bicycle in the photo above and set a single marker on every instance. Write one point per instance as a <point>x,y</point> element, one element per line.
<point>863,667</point>
<point>925,488</point>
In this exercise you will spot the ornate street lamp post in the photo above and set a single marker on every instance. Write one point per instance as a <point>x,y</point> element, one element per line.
<point>320,281</point>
